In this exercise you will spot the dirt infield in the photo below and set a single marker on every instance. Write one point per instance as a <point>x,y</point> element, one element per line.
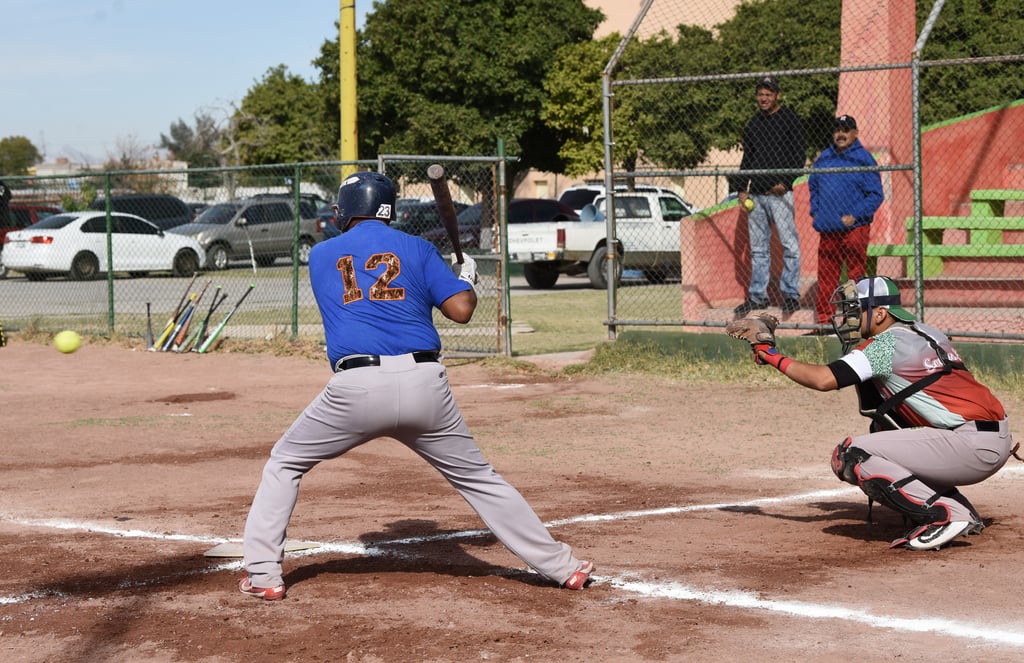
<point>718,530</point>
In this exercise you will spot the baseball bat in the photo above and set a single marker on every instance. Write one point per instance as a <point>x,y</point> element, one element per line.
<point>182,333</point>
<point>220,327</point>
<point>169,327</point>
<point>197,335</point>
<point>149,329</point>
<point>177,325</point>
<point>445,207</point>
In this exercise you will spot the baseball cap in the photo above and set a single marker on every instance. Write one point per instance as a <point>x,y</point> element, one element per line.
<point>768,82</point>
<point>845,122</point>
<point>882,292</point>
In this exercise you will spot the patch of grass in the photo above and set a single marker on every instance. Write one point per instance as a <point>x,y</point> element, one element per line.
<point>647,358</point>
<point>562,321</point>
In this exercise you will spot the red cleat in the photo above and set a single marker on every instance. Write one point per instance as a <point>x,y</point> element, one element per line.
<point>579,579</point>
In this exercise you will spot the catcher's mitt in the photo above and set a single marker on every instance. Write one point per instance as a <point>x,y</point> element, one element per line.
<point>757,329</point>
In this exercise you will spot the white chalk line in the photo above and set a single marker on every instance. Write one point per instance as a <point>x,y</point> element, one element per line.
<point>633,584</point>
<point>748,601</point>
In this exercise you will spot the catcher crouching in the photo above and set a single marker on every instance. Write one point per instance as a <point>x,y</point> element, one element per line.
<point>934,426</point>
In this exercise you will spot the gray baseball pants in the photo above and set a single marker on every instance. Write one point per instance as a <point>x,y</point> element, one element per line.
<point>940,459</point>
<point>412,403</point>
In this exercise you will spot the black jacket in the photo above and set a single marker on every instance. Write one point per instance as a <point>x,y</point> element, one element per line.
<point>771,141</point>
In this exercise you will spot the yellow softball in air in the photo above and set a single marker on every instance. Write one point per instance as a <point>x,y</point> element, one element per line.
<point>67,341</point>
<point>748,204</point>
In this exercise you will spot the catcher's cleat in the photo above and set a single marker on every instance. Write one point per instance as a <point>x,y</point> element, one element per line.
<point>580,579</point>
<point>266,593</point>
<point>749,305</point>
<point>933,537</point>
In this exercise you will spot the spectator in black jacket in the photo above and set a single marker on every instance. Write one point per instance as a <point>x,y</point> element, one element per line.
<point>774,138</point>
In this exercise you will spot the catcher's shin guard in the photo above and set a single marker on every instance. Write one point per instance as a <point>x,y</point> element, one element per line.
<point>888,492</point>
<point>845,460</point>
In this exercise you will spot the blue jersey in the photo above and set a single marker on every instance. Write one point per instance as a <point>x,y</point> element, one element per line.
<point>376,288</point>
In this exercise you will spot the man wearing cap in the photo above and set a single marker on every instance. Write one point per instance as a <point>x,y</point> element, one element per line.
<point>773,139</point>
<point>842,207</point>
<point>934,426</point>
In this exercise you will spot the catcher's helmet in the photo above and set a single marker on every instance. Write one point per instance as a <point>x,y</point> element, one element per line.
<point>364,196</point>
<point>851,299</point>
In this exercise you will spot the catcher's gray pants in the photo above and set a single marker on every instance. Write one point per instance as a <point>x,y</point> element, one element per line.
<point>412,403</point>
<point>940,459</point>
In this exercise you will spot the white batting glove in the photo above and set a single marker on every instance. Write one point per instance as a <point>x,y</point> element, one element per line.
<point>468,273</point>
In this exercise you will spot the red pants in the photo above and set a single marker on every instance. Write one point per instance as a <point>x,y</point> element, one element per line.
<point>834,248</point>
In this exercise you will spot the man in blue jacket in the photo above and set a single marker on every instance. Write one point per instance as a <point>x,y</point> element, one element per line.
<point>842,206</point>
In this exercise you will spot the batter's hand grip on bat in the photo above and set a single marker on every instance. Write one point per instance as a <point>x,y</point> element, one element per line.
<point>445,207</point>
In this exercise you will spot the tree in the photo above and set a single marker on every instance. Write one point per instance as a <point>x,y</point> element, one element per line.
<point>573,106</point>
<point>792,34</point>
<point>454,77</point>
<point>676,125</point>
<point>966,30</point>
<point>278,121</point>
<point>198,147</point>
<point>17,155</point>
<point>131,154</point>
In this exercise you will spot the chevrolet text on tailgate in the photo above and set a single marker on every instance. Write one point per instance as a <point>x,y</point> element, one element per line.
<point>647,226</point>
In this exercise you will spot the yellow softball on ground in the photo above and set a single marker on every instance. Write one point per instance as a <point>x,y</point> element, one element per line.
<point>67,341</point>
<point>748,204</point>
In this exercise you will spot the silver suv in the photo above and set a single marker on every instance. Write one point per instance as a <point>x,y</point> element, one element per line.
<point>262,227</point>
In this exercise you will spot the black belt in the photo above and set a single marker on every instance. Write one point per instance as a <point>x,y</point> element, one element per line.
<point>420,357</point>
<point>987,426</point>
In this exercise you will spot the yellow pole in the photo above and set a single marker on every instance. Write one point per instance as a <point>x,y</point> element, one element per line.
<point>347,76</point>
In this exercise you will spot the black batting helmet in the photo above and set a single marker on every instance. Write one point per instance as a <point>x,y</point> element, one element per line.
<point>365,196</point>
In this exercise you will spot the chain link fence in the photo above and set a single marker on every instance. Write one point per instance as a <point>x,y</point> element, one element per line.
<point>935,98</point>
<point>217,235</point>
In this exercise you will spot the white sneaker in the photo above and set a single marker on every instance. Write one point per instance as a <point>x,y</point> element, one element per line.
<point>933,537</point>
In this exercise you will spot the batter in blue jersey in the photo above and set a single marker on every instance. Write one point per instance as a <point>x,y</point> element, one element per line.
<point>376,288</point>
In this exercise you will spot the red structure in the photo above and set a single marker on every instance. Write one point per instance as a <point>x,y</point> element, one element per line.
<point>977,152</point>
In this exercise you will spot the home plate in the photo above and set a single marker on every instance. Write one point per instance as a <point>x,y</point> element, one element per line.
<point>234,548</point>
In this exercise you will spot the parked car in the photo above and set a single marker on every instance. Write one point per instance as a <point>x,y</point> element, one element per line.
<point>468,219</point>
<point>23,215</point>
<point>581,195</point>
<point>328,221</point>
<point>418,218</point>
<point>197,207</point>
<point>529,210</point>
<point>266,223</point>
<point>162,210</point>
<point>75,244</point>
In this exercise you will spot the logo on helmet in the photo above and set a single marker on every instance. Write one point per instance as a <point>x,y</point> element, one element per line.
<point>384,211</point>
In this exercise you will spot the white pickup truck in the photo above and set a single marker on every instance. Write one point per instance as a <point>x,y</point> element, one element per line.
<point>646,224</point>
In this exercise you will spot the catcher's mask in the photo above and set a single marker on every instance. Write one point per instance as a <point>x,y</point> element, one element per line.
<point>851,299</point>
<point>846,321</point>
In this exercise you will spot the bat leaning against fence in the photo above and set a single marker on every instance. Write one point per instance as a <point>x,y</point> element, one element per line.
<point>196,337</point>
<point>183,319</point>
<point>220,327</point>
<point>169,327</point>
<point>182,332</point>
<point>149,329</point>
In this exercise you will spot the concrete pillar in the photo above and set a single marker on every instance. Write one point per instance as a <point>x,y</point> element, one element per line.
<point>878,32</point>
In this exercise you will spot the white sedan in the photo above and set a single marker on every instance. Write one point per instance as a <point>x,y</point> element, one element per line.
<point>75,244</point>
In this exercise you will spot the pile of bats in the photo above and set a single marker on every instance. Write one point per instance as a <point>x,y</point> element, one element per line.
<point>184,332</point>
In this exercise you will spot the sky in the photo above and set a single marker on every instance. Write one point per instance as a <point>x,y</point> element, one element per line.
<point>80,77</point>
